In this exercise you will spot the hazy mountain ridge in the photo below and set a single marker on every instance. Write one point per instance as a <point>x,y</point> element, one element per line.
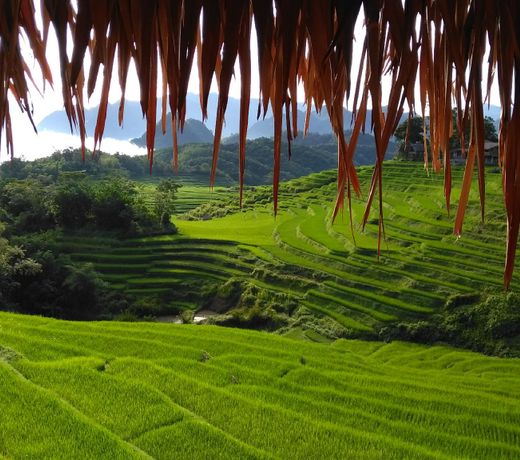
<point>194,132</point>
<point>134,125</point>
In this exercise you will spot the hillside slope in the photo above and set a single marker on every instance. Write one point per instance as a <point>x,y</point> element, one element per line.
<point>115,390</point>
<point>309,155</point>
<point>300,270</point>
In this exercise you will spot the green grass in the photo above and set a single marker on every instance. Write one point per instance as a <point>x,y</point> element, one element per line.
<point>420,266</point>
<point>125,390</point>
<point>189,195</point>
<point>253,227</point>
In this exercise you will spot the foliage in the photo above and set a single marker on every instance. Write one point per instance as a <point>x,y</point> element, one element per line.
<point>73,201</point>
<point>35,275</point>
<point>114,205</point>
<point>164,201</point>
<point>489,323</point>
<point>53,285</point>
<point>210,210</point>
<point>15,267</point>
<point>413,128</point>
<point>26,206</point>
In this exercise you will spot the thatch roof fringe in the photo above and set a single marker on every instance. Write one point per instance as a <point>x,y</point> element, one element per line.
<point>298,40</point>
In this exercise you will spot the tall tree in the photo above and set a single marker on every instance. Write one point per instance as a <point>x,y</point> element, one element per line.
<point>165,198</point>
<point>411,131</point>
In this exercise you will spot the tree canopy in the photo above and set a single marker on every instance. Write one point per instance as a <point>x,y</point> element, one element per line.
<point>437,44</point>
<point>416,129</point>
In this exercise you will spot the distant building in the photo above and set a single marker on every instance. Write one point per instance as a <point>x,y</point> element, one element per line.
<point>491,153</point>
<point>457,157</point>
<point>415,152</point>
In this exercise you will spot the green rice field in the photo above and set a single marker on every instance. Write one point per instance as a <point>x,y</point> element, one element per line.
<point>321,265</point>
<point>147,390</point>
<point>153,390</point>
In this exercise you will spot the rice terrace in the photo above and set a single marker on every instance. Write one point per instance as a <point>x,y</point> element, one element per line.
<point>324,272</point>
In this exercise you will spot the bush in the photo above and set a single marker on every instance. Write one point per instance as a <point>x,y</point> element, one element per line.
<point>26,206</point>
<point>72,201</point>
<point>253,318</point>
<point>489,323</point>
<point>209,211</point>
<point>112,206</point>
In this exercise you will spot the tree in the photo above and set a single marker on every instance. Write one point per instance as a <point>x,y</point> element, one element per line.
<point>415,132</point>
<point>14,267</point>
<point>80,292</point>
<point>490,129</point>
<point>26,205</point>
<point>490,132</point>
<point>72,203</point>
<point>165,198</point>
<point>408,133</point>
<point>14,169</point>
<point>112,205</point>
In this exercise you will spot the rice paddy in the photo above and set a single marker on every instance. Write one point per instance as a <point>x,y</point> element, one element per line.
<point>150,390</point>
<point>317,263</point>
<point>141,390</point>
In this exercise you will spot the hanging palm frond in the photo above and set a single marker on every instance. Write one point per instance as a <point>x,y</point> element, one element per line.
<point>438,45</point>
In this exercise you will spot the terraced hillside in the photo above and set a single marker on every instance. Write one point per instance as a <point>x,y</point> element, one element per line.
<point>320,266</point>
<point>190,195</point>
<point>118,390</point>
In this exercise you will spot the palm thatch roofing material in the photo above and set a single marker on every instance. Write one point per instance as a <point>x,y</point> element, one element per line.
<point>436,44</point>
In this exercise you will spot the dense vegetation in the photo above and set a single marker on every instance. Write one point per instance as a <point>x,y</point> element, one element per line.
<point>113,390</point>
<point>35,276</point>
<point>314,152</point>
<point>412,131</point>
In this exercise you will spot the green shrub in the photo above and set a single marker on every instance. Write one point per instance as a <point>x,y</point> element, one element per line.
<point>489,323</point>
<point>253,318</point>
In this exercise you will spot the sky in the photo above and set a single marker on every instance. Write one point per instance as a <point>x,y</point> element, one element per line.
<point>29,145</point>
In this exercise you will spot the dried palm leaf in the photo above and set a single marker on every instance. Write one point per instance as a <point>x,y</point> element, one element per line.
<point>437,44</point>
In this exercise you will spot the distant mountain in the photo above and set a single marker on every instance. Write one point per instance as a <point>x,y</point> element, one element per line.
<point>134,124</point>
<point>319,124</point>
<point>195,132</point>
<point>492,111</point>
<point>312,153</point>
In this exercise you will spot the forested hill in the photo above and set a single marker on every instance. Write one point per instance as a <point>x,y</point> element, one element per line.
<point>309,154</point>
<point>194,132</point>
<point>313,153</point>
